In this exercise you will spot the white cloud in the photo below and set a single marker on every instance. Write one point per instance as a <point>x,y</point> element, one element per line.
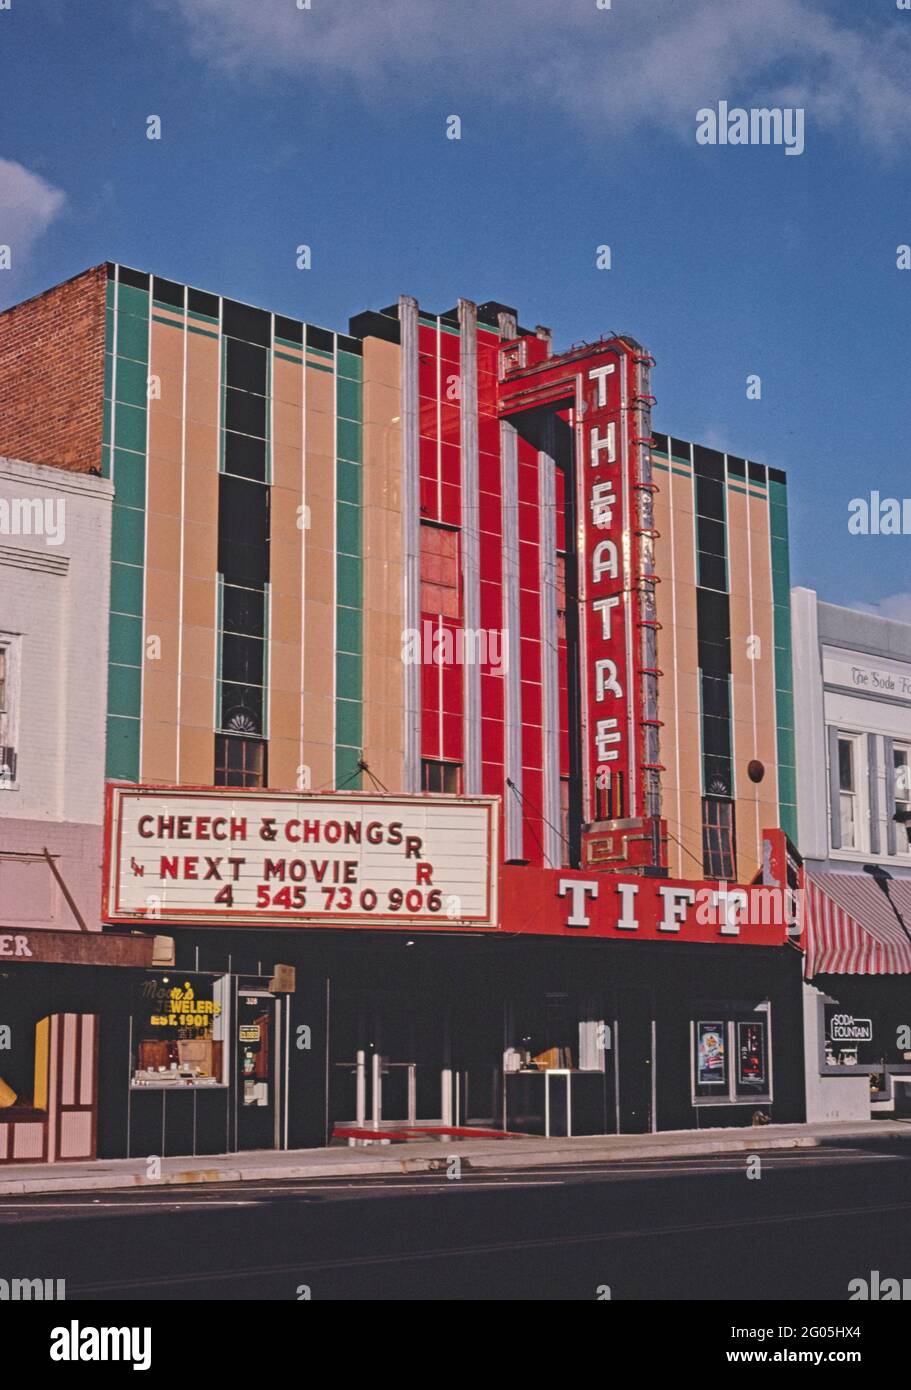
<point>652,62</point>
<point>897,606</point>
<point>28,205</point>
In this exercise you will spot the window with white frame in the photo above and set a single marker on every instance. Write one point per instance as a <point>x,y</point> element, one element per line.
<point>7,712</point>
<point>901,785</point>
<point>849,772</point>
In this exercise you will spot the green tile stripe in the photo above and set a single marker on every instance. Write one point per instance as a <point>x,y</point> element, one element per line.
<point>784,671</point>
<point>124,462</point>
<point>664,468</point>
<point>435,323</point>
<point>349,602</point>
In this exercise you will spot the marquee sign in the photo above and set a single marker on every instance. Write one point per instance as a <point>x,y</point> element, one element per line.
<point>222,856</point>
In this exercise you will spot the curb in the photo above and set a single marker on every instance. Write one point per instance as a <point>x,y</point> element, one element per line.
<point>368,1165</point>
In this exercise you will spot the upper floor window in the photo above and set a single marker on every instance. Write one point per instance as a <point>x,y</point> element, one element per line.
<point>719,856</point>
<point>848,772</point>
<point>8,753</point>
<point>239,762</point>
<point>564,821</point>
<point>440,777</point>
<point>901,757</point>
<point>560,580</point>
<point>439,571</point>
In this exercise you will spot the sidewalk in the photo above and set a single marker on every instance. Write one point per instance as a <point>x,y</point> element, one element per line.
<point>427,1156</point>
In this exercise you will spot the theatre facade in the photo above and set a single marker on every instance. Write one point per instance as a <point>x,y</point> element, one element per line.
<point>449,726</point>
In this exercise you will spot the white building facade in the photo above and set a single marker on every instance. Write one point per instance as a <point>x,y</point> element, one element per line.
<point>852,677</point>
<point>55,536</point>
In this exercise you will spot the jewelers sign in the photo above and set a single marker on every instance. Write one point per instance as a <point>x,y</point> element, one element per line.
<point>219,856</point>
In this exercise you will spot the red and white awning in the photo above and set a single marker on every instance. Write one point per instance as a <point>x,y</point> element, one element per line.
<point>851,927</point>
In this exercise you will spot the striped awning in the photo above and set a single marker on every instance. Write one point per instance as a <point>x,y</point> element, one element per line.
<point>853,927</point>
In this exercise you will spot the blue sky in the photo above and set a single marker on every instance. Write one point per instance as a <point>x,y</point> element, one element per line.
<point>327,126</point>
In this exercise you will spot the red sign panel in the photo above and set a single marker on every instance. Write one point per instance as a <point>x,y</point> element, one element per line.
<point>606,388</point>
<point>568,902</point>
<point>605,510</point>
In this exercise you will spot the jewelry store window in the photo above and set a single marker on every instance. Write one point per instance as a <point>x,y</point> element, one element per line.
<point>23,1056</point>
<point>730,1055</point>
<point>178,1031</point>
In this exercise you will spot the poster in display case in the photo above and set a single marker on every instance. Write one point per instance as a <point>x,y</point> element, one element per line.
<point>710,1057</point>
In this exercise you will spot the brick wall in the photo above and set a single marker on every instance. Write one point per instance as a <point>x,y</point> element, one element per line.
<point>52,375</point>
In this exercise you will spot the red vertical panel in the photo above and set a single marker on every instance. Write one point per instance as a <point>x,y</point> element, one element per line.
<point>530,539</point>
<point>493,621</point>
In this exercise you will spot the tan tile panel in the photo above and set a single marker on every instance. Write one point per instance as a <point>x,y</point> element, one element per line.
<point>169,388</point>
<point>197,692</point>
<point>288,385</point>
<point>319,578</point>
<point>383,564</point>
<point>198,653</point>
<point>165,349</point>
<point>287,518</point>
<point>159,752</point>
<point>285,677</point>
<point>320,412</point>
<point>200,603</point>
<point>203,378</point>
<point>163,542</point>
<point>287,422</point>
<point>202,446</point>
<point>200,545</point>
<point>197,756</point>
<point>319,651</point>
<point>200,492</point>
<point>165,434</point>
<point>284,762</point>
<point>285,708</point>
<point>320,479</point>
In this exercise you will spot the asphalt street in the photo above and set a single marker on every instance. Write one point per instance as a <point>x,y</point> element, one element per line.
<point>801,1227</point>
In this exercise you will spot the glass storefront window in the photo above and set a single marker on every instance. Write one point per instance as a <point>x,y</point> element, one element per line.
<point>556,1030</point>
<point>731,1056</point>
<point>179,1030</point>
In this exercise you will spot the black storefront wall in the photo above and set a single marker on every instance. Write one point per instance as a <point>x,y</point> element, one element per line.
<point>731,982</point>
<point>460,1003</point>
<point>429,1003</point>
